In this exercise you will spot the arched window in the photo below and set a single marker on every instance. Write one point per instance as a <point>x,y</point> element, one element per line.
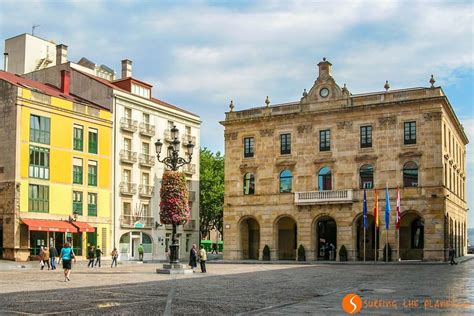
<point>324,179</point>
<point>146,239</point>
<point>366,177</point>
<point>285,181</point>
<point>417,234</point>
<point>249,183</point>
<point>410,174</point>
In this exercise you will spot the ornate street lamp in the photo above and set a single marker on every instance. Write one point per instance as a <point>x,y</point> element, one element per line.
<point>173,161</point>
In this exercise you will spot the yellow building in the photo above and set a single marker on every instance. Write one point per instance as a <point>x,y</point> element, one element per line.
<point>55,169</point>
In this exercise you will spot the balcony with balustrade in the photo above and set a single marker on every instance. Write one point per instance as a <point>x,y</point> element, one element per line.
<point>145,190</point>
<point>146,160</point>
<point>189,168</point>
<point>147,129</point>
<point>128,156</point>
<point>128,188</point>
<point>132,221</point>
<point>190,225</point>
<point>324,197</point>
<point>167,136</point>
<point>128,125</point>
<point>186,138</point>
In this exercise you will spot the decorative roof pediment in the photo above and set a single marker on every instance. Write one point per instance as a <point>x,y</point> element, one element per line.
<point>285,163</point>
<point>410,154</point>
<point>365,158</point>
<point>248,167</point>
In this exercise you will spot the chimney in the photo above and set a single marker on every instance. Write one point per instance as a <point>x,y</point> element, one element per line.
<point>61,54</point>
<point>325,69</point>
<point>65,78</point>
<point>126,68</point>
<point>5,61</point>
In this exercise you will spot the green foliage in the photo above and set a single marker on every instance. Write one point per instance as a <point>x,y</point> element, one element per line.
<point>174,205</point>
<point>266,253</point>
<point>343,253</point>
<point>301,253</point>
<point>211,188</point>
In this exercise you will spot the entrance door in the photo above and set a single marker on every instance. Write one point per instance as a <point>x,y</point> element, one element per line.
<point>326,239</point>
<point>92,238</point>
<point>250,238</point>
<point>135,244</point>
<point>287,233</point>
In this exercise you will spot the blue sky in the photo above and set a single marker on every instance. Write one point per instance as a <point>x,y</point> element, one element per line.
<point>201,54</point>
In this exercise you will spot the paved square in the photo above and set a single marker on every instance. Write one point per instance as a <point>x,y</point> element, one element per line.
<point>239,289</point>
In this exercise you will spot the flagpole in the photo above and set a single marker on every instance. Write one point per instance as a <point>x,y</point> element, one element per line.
<point>364,243</point>
<point>375,236</point>
<point>398,245</point>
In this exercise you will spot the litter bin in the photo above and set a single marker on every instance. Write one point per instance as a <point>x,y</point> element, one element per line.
<point>207,244</point>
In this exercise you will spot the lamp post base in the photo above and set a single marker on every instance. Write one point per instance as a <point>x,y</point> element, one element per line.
<point>174,268</point>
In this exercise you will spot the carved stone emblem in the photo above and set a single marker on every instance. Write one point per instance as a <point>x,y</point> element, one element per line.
<point>432,116</point>
<point>387,120</point>
<point>266,132</point>
<point>344,124</point>
<point>230,136</point>
<point>304,129</point>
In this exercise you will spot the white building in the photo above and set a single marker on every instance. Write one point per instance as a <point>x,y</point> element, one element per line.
<point>139,120</point>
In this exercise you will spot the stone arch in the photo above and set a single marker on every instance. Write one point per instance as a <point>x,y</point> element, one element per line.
<point>411,234</point>
<point>370,237</point>
<point>286,237</point>
<point>249,236</point>
<point>325,237</point>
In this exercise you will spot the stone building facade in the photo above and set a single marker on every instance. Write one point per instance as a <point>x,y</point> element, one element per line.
<point>295,174</point>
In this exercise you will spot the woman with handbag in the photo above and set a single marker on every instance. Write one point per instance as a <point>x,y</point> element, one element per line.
<point>67,255</point>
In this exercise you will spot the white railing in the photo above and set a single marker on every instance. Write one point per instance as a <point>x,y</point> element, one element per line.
<point>330,196</point>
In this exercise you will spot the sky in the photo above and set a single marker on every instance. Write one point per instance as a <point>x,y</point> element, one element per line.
<point>199,55</point>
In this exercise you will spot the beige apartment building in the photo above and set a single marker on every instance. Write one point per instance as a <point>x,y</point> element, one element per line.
<point>295,174</point>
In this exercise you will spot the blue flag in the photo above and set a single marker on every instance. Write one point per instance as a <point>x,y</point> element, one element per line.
<point>387,208</point>
<point>364,213</point>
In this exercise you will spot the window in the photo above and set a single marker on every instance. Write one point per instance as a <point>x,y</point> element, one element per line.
<point>38,198</point>
<point>40,129</point>
<point>127,175</point>
<point>78,138</point>
<point>145,210</point>
<point>77,171</point>
<point>127,144</point>
<point>92,173</point>
<point>170,124</point>
<point>410,133</point>
<point>324,179</point>
<point>285,144</point>
<point>146,118</point>
<point>77,202</point>
<point>128,113</point>
<point>127,209</point>
<point>325,140</point>
<point>145,178</point>
<point>285,181</point>
<point>248,147</point>
<point>366,177</point>
<point>39,163</point>
<point>417,234</point>
<point>92,204</point>
<point>141,91</point>
<point>365,136</point>
<point>145,148</point>
<point>93,140</point>
<point>187,129</point>
<point>410,174</point>
<point>249,184</point>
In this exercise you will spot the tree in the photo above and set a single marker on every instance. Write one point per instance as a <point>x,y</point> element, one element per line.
<point>211,188</point>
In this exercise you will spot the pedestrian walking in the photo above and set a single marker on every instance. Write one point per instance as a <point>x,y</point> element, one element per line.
<point>214,248</point>
<point>98,255</point>
<point>114,256</point>
<point>91,257</point>
<point>46,257</point>
<point>193,257</point>
<point>67,255</point>
<point>452,253</point>
<point>41,257</point>
<point>203,258</point>
<point>140,252</point>
<point>53,253</point>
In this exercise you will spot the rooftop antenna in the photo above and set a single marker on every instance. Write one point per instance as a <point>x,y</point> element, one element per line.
<point>33,28</point>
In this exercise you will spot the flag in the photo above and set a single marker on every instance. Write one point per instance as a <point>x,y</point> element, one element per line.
<point>387,208</point>
<point>364,212</point>
<point>397,223</point>
<point>376,208</point>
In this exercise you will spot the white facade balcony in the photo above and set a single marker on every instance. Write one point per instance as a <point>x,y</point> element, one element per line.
<point>146,160</point>
<point>128,156</point>
<point>190,225</point>
<point>167,136</point>
<point>132,221</point>
<point>324,197</point>
<point>128,188</point>
<point>145,190</point>
<point>129,125</point>
<point>188,138</point>
<point>147,129</point>
<point>189,168</point>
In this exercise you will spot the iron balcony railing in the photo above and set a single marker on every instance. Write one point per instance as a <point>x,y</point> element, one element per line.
<point>321,197</point>
<point>145,190</point>
<point>190,225</point>
<point>128,124</point>
<point>132,221</point>
<point>189,168</point>
<point>128,156</point>
<point>128,188</point>
<point>187,138</point>
<point>147,129</point>
<point>147,160</point>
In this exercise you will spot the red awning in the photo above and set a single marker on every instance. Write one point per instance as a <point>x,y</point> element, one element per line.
<point>49,226</point>
<point>84,227</point>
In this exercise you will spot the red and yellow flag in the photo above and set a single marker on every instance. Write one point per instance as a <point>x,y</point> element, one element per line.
<point>376,208</point>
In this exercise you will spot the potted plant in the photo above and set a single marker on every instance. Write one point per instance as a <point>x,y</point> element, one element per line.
<point>301,253</point>
<point>343,253</point>
<point>266,253</point>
